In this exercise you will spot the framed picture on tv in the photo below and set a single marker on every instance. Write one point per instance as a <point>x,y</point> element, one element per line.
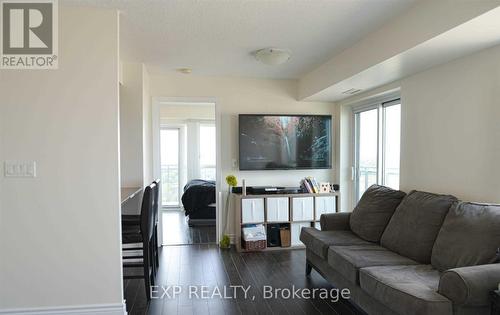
<point>281,142</point>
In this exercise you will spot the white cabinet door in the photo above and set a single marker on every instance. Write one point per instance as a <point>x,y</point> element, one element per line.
<point>252,210</point>
<point>302,209</point>
<point>325,205</point>
<point>295,232</point>
<point>277,209</point>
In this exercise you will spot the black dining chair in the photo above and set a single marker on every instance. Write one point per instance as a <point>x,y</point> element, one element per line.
<point>156,209</point>
<point>131,221</point>
<point>143,239</point>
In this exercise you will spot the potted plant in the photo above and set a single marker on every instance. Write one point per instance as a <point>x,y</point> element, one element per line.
<point>231,181</point>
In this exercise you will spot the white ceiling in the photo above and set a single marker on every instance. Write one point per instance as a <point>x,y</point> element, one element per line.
<point>216,37</point>
<point>478,33</point>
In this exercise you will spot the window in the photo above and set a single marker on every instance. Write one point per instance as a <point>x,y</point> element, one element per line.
<point>367,150</point>
<point>170,156</point>
<point>392,137</point>
<point>377,145</point>
<point>207,151</point>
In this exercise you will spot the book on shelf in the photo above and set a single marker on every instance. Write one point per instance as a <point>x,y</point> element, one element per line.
<point>310,185</point>
<point>307,187</point>
<point>316,184</point>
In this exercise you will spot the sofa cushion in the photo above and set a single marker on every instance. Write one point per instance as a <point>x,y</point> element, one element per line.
<point>373,211</point>
<point>415,224</point>
<point>406,289</point>
<point>347,260</point>
<point>318,241</point>
<point>470,236</point>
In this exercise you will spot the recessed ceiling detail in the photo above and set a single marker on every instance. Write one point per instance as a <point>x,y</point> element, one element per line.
<point>351,91</point>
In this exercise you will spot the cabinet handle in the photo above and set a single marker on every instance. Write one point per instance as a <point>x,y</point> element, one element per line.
<point>253,210</point>
<point>303,209</point>
<point>277,210</point>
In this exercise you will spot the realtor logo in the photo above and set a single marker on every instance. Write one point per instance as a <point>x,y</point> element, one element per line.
<point>29,34</point>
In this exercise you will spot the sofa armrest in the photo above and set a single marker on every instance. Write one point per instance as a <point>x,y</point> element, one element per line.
<point>470,285</point>
<point>335,221</point>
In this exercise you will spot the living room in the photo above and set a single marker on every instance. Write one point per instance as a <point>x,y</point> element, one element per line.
<point>399,93</point>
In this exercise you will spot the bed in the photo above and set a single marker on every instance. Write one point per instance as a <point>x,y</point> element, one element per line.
<point>198,200</point>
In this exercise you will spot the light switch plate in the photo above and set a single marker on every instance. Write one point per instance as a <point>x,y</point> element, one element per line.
<point>20,169</point>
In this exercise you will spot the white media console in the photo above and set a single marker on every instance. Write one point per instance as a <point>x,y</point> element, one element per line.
<point>297,210</point>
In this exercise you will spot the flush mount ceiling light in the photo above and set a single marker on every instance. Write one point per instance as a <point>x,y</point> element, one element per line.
<point>185,70</point>
<point>272,56</point>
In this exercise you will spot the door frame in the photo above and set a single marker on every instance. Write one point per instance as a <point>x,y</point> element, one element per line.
<point>180,158</point>
<point>156,125</point>
<point>379,102</point>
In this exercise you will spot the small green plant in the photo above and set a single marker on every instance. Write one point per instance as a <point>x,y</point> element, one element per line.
<point>225,242</point>
<point>231,180</point>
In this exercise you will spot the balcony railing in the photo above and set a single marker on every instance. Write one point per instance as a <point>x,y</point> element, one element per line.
<point>170,180</point>
<point>207,172</point>
<point>170,187</point>
<point>368,177</point>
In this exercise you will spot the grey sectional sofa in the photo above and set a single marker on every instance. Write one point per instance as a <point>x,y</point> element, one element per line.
<point>420,253</point>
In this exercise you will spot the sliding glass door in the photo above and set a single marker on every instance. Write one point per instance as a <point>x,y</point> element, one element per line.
<point>207,151</point>
<point>367,159</point>
<point>170,162</point>
<point>392,145</point>
<point>377,145</point>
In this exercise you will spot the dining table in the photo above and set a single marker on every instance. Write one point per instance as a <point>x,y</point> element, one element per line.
<point>128,193</point>
<point>131,200</point>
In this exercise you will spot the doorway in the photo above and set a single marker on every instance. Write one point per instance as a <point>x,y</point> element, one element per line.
<point>170,156</point>
<point>186,156</point>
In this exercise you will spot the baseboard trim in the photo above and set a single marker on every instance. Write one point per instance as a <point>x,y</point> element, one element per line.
<point>232,239</point>
<point>98,309</point>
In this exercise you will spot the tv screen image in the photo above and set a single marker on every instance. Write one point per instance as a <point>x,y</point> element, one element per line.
<point>273,142</point>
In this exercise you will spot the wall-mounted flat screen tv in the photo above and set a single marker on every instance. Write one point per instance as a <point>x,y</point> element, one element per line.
<point>282,142</point>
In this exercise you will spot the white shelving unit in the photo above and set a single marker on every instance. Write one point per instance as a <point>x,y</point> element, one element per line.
<point>297,210</point>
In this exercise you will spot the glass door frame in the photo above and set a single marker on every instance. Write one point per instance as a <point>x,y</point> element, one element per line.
<point>379,104</point>
<point>210,123</point>
<point>180,128</point>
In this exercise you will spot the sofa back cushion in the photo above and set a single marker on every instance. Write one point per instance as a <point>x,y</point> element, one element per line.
<point>415,224</point>
<point>373,211</point>
<point>470,236</point>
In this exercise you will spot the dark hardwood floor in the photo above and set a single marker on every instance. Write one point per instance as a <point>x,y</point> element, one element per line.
<point>207,265</point>
<point>176,231</point>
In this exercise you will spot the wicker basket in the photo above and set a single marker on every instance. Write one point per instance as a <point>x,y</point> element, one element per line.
<point>285,237</point>
<point>254,245</point>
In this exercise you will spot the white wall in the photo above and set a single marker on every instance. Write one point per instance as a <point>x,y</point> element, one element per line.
<point>60,231</point>
<point>131,125</point>
<point>449,126</point>
<point>147,140</point>
<point>135,126</point>
<point>187,111</point>
<point>238,96</point>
